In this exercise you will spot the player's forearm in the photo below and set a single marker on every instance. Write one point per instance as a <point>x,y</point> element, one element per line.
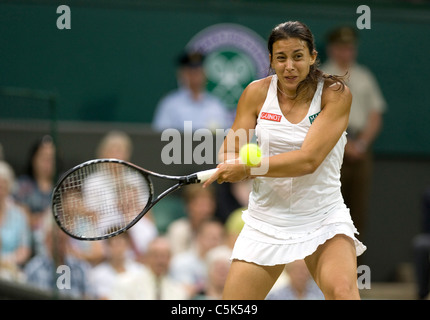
<point>224,157</point>
<point>289,164</point>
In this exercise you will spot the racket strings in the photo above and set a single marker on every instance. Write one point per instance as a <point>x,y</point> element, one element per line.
<point>101,198</point>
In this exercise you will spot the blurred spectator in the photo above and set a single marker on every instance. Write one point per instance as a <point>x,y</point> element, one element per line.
<point>191,101</point>
<point>118,144</point>
<point>33,189</point>
<point>421,249</point>
<point>118,261</point>
<point>301,286</point>
<point>189,267</point>
<point>14,227</point>
<point>218,265</point>
<point>43,271</point>
<point>115,144</point>
<point>200,205</point>
<point>365,120</point>
<point>153,282</point>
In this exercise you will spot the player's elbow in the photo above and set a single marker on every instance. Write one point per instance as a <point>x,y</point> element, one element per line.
<point>310,167</point>
<point>310,164</point>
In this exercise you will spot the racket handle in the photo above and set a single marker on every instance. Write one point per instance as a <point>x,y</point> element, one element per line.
<point>202,176</point>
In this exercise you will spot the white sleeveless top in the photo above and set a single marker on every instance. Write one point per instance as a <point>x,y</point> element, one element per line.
<point>289,207</point>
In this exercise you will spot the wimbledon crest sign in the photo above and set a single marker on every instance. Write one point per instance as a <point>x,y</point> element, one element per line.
<point>235,56</point>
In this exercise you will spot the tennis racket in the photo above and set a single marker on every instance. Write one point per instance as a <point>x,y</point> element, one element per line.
<point>102,198</point>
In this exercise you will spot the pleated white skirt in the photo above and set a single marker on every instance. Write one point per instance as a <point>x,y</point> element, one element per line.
<point>260,246</point>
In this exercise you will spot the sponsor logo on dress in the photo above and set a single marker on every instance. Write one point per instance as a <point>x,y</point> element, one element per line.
<point>313,117</point>
<point>270,116</point>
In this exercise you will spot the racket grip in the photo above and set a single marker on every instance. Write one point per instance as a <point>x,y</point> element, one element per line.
<point>202,176</point>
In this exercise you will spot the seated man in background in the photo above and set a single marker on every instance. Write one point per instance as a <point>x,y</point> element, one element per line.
<point>191,101</point>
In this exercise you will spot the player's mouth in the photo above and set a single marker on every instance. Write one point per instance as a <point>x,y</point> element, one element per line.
<point>290,78</point>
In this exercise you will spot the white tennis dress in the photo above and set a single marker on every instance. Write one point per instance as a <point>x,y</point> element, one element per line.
<point>288,218</point>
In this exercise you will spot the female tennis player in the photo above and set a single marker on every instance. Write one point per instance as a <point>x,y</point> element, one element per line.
<point>296,210</point>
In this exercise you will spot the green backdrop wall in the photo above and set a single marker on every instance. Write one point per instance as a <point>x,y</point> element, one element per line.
<point>117,60</point>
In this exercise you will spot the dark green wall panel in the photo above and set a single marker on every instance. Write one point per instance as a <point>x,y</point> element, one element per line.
<point>116,62</point>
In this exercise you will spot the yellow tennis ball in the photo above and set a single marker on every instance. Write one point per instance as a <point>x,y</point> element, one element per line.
<point>250,154</point>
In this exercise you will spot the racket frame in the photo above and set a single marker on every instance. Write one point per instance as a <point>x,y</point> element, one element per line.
<point>181,181</point>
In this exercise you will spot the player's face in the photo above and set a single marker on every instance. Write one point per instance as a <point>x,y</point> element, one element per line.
<point>291,61</point>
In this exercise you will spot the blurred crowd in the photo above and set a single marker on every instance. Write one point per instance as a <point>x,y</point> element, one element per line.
<point>187,258</point>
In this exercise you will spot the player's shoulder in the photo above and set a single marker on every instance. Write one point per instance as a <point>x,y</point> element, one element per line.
<point>334,90</point>
<point>336,95</point>
<point>257,89</point>
<point>261,84</point>
<point>253,97</point>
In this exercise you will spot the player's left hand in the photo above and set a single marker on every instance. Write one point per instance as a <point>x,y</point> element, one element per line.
<point>231,171</point>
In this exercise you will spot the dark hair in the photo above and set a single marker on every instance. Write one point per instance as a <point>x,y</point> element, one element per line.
<point>297,29</point>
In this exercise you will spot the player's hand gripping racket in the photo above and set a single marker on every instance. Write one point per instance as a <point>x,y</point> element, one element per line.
<point>102,198</point>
